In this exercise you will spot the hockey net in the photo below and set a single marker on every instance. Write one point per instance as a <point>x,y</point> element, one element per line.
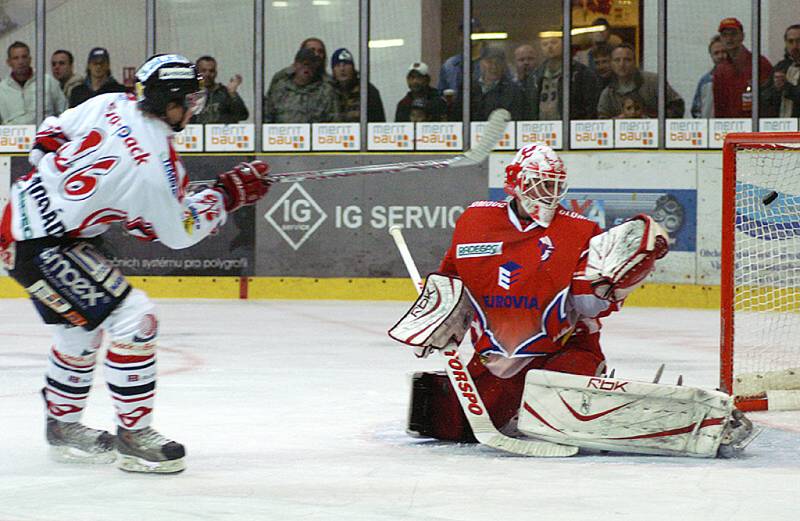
<point>760,284</point>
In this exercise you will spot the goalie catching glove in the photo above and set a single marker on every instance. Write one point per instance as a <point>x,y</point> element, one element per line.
<point>622,257</point>
<point>439,318</point>
<point>243,185</point>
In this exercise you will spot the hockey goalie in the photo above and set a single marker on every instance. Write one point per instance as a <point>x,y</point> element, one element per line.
<point>530,282</point>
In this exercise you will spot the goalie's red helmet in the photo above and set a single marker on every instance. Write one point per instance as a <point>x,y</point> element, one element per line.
<point>537,179</point>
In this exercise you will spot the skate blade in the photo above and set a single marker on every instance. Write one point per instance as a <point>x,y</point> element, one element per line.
<point>65,454</point>
<point>134,464</point>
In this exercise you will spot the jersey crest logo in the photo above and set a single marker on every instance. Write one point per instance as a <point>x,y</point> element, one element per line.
<point>508,274</point>
<point>546,248</point>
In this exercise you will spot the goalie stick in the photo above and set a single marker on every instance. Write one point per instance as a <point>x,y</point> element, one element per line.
<point>473,407</point>
<point>492,133</point>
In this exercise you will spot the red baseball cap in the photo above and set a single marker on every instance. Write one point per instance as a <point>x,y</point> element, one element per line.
<point>730,23</point>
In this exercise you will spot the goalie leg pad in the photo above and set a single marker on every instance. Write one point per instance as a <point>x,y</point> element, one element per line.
<point>434,411</point>
<point>624,416</point>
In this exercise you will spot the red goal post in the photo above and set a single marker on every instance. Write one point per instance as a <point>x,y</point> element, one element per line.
<point>760,270</point>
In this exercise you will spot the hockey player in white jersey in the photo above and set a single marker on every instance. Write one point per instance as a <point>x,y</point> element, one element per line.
<point>111,160</point>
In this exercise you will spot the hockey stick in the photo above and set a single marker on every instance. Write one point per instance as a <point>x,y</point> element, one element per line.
<point>493,132</point>
<point>467,392</point>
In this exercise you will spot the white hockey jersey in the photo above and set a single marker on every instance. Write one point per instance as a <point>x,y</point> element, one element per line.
<point>107,161</point>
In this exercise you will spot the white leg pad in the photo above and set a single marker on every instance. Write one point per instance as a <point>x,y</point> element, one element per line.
<point>623,416</point>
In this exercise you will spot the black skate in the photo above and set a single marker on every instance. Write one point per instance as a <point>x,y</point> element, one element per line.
<point>145,450</point>
<point>738,433</point>
<point>77,443</point>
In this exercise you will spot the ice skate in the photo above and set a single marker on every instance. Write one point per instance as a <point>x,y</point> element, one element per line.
<point>77,443</point>
<point>739,432</point>
<point>146,450</point>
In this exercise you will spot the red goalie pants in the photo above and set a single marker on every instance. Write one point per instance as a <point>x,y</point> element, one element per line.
<point>581,355</point>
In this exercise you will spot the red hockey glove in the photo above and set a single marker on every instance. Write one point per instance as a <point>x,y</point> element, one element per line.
<point>244,185</point>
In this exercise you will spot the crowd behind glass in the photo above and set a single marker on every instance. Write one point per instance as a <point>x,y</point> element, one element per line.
<point>317,87</point>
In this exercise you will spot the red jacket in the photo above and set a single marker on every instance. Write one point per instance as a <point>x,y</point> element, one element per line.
<point>730,81</point>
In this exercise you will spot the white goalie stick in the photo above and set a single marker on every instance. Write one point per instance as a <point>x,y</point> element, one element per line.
<point>492,133</point>
<point>472,405</point>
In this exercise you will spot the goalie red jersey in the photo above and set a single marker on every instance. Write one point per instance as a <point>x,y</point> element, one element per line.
<point>538,277</point>
<point>520,277</point>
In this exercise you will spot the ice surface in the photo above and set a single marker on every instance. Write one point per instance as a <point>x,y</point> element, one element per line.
<point>296,410</point>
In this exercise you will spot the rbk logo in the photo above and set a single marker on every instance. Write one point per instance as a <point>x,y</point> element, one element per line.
<point>508,274</point>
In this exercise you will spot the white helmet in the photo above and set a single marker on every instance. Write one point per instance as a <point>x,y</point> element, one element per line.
<point>537,179</point>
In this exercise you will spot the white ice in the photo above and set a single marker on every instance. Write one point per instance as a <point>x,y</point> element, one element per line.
<point>296,410</point>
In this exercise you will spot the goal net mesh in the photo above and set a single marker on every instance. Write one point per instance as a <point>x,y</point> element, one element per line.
<point>766,270</point>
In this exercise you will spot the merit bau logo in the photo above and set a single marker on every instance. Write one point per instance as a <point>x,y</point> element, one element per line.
<point>439,136</point>
<point>687,133</point>
<point>508,274</point>
<point>592,134</point>
<point>506,141</point>
<point>230,138</point>
<point>636,133</point>
<point>547,132</point>
<point>16,138</point>
<point>391,136</point>
<point>286,137</point>
<point>190,139</point>
<point>336,136</point>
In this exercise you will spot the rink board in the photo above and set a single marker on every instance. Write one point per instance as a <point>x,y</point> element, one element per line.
<point>329,240</point>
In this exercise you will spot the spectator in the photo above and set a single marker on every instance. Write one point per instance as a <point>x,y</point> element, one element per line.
<point>628,78</point>
<point>494,89</point>
<point>632,106</point>
<point>451,76</point>
<point>703,102</point>
<point>419,111</point>
<point>223,103</point>
<point>348,87</point>
<point>18,90</point>
<point>318,47</point>
<point>731,86</point>
<point>61,64</point>
<point>604,37</point>
<point>524,63</point>
<point>545,89</point>
<point>419,88</point>
<point>782,94</point>
<point>303,96</point>
<point>602,65</point>
<point>98,78</point>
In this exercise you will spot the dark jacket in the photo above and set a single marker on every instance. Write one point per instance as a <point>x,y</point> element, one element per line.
<point>350,102</point>
<point>771,97</point>
<point>646,85</point>
<point>222,107</point>
<point>84,91</point>
<point>504,94</point>
<point>583,93</point>
<point>435,106</point>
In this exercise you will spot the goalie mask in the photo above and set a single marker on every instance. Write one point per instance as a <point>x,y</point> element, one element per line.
<point>537,180</point>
